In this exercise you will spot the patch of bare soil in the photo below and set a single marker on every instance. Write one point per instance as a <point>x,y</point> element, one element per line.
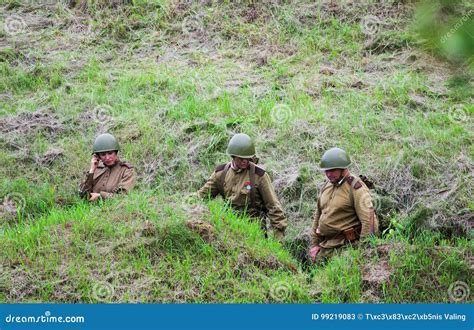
<point>18,286</point>
<point>203,229</point>
<point>198,222</point>
<point>18,131</point>
<point>9,208</point>
<point>50,156</point>
<point>85,5</point>
<point>376,274</point>
<point>100,116</point>
<point>148,229</point>
<point>27,123</point>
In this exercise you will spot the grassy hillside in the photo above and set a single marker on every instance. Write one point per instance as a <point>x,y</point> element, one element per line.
<point>173,81</point>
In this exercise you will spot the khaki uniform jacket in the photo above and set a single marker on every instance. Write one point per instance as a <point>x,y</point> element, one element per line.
<point>341,207</point>
<point>106,181</point>
<point>237,191</point>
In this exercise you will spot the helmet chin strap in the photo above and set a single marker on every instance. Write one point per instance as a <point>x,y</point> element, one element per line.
<point>235,167</point>
<point>341,178</point>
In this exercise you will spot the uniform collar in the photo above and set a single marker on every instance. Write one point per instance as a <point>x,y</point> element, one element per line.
<point>116,164</point>
<point>340,182</point>
<point>101,169</point>
<point>111,167</point>
<point>235,168</point>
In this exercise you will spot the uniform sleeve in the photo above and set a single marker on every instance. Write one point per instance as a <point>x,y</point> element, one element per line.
<point>365,211</point>
<point>315,237</point>
<point>210,188</point>
<point>127,182</point>
<point>85,187</point>
<point>272,204</point>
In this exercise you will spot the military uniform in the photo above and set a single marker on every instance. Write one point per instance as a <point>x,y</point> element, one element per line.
<point>235,185</point>
<point>108,181</point>
<point>344,215</point>
<point>248,190</point>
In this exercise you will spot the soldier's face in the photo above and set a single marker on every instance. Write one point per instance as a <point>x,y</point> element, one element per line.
<point>109,158</point>
<point>334,175</point>
<point>241,163</point>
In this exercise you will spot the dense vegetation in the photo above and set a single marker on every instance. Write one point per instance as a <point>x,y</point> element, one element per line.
<point>173,80</point>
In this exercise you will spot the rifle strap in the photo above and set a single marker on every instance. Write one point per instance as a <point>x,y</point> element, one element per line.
<point>220,185</point>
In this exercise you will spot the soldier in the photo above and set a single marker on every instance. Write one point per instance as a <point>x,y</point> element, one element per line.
<point>345,213</point>
<point>247,186</point>
<point>108,175</point>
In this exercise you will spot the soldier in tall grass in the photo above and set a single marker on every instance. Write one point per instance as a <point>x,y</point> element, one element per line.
<point>247,186</point>
<point>345,212</point>
<point>108,175</point>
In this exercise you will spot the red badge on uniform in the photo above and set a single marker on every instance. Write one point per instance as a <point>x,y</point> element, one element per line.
<point>248,185</point>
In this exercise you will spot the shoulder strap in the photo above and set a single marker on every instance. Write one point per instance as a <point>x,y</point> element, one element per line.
<point>353,182</point>
<point>127,165</point>
<point>220,184</point>
<point>252,183</point>
<point>258,170</point>
<point>220,167</point>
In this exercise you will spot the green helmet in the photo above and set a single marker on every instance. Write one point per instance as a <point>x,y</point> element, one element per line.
<point>241,145</point>
<point>105,142</point>
<point>334,158</point>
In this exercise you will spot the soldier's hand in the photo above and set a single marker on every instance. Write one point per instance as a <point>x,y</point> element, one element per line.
<point>313,252</point>
<point>94,163</point>
<point>94,197</point>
